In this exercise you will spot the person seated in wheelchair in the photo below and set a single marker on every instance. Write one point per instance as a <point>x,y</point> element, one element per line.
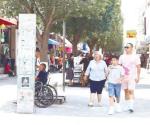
<point>42,75</point>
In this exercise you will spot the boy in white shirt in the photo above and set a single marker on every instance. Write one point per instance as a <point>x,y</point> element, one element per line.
<point>115,75</point>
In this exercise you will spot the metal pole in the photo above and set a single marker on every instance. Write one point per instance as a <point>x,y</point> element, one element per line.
<point>64,34</point>
<point>149,50</point>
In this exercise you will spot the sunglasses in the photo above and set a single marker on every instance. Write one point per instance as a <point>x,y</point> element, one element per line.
<point>126,47</point>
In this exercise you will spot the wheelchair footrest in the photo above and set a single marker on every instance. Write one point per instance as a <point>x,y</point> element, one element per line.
<point>60,100</point>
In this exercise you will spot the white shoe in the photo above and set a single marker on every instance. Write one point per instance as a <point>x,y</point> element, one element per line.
<point>111,111</point>
<point>126,105</point>
<point>131,104</point>
<point>117,108</point>
<point>131,110</point>
<point>90,104</point>
<point>126,108</point>
<point>100,105</point>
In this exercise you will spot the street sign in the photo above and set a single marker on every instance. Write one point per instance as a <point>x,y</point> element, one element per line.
<point>26,63</point>
<point>131,34</point>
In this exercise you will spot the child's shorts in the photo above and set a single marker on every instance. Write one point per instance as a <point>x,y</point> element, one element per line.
<point>114,89</point>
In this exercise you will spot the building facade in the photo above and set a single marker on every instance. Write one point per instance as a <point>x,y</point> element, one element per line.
<point>146,20</point>
<point>7,43</point>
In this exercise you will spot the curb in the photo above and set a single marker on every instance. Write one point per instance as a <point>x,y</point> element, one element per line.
<point>3,76</point>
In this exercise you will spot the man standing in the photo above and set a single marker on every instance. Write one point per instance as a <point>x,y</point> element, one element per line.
<point>132,66</point>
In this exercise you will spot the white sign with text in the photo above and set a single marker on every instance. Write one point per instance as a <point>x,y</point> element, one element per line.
<point>26,63</point>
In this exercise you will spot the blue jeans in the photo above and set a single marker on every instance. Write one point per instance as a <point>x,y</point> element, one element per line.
<point>114,89</point>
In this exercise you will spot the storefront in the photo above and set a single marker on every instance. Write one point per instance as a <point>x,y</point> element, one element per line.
<point>7,43</point>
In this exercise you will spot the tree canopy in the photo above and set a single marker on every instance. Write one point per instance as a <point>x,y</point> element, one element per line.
<point>96,21</point>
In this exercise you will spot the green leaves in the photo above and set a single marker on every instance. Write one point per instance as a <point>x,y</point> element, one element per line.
<point>99,18</point>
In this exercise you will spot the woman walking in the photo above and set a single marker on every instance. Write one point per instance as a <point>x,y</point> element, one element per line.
<point>96,70</point>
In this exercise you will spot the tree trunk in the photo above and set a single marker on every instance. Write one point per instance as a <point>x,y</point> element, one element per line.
<point>97,47</point>
<point>91,45</point>
<point>44,47</point>
<point>76,39</point>
<point>91,48</point>
<point>43,42</point>
<point>74,48</point>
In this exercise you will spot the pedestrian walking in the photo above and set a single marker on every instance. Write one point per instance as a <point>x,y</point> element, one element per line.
<point>131,64</point>
<point>96,71</point>
<point>114,80</point>
<point>85,61</point>
<point>70,67</point>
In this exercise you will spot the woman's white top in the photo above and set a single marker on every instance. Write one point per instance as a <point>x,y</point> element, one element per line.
<point>96,70</point>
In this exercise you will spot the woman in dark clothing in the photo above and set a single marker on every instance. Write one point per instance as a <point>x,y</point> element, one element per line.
<point>85,61</point>
<point>69,73</point>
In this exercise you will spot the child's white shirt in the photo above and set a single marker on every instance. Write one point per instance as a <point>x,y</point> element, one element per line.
<point>114,74</point>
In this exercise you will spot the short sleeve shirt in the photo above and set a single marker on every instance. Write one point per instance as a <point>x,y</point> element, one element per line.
<point>129,63</point>
<point>115,73</point>
<point>96,70</point>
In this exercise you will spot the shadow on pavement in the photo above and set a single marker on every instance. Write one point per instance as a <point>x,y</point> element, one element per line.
<point>8,81</point>
<point>143,86</point>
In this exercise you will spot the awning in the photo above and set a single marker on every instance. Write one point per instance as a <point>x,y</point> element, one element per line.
<point>53,42</point>
<point>67,42</point>
<point>83,47</point>
<point>6,22</point>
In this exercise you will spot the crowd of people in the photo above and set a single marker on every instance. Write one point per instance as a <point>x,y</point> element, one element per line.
<point>123,72</point>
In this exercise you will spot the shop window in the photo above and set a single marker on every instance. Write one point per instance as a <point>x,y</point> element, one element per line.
<point>4,36</point>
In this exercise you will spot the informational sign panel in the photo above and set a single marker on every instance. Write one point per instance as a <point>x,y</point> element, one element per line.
<point>26,63</point>
<point>131,34</point>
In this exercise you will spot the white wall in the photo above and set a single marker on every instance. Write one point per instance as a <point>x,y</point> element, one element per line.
<point>132,11</point>
<point>148,21</point>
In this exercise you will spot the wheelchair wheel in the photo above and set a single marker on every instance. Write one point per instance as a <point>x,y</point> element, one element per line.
<point>55,94</point>
<point>47,96</point>
<point>43,96</point>
<point>36,98</point>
